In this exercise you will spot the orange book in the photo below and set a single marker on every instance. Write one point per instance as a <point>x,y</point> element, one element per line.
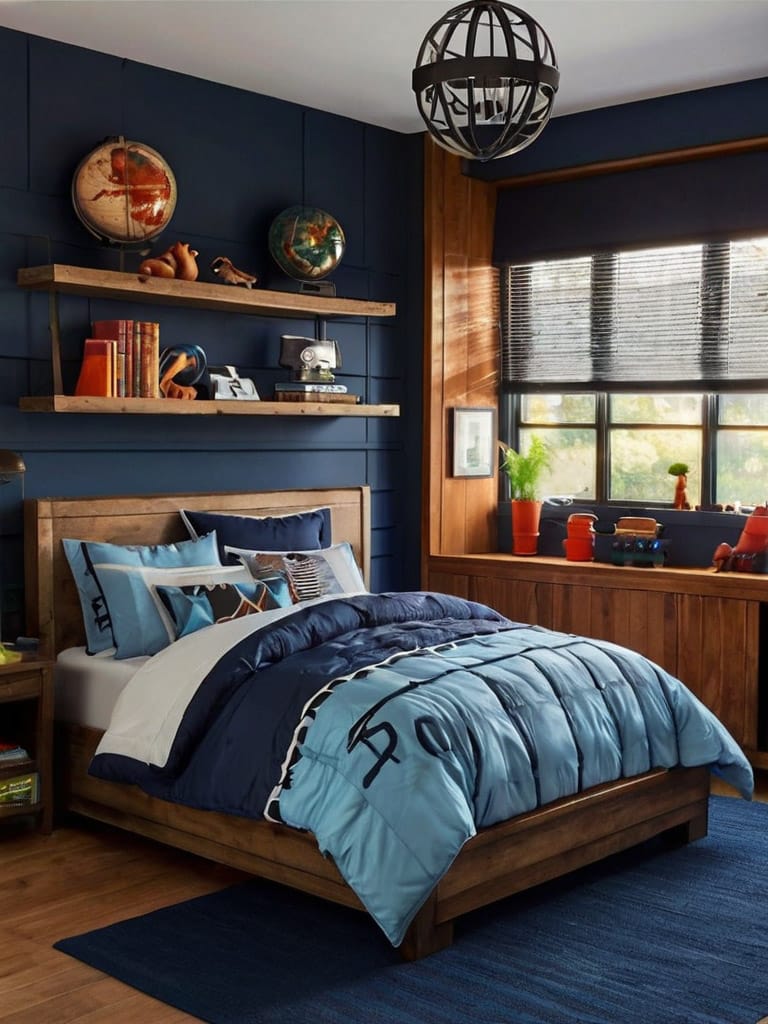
<point>97,368</point>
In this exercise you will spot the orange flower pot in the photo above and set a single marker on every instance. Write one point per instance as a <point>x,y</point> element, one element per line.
<point>526,516</point>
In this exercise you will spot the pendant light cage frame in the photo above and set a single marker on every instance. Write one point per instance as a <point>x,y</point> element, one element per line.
<point>485,80</point>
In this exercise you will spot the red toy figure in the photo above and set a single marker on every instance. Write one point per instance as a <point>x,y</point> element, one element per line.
<point>751,551</point>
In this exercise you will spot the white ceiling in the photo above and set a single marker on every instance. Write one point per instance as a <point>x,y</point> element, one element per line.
<point>355,57</point>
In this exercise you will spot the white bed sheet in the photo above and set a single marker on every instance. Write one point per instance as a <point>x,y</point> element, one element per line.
<point>87,686</point>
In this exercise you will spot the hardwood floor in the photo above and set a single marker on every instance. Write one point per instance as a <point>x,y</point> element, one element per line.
<point>85,876</point>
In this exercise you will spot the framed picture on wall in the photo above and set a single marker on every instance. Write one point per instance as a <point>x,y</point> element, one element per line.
<point>474,441</point>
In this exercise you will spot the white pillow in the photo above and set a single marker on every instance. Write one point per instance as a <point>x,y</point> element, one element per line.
<point>309,574</point>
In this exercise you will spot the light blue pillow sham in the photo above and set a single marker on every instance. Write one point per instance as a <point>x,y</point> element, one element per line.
<point>83,555</point>
<point>141,624</point>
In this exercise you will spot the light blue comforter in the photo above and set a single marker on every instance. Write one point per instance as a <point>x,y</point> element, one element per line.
<point>393,726</point>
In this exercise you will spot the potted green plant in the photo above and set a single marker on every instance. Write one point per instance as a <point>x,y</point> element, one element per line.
<point>524,472</point>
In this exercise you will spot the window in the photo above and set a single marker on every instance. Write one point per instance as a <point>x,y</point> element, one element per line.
<point>626,362</point>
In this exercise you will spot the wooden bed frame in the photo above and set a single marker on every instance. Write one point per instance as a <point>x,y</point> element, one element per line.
<point>502,860</point>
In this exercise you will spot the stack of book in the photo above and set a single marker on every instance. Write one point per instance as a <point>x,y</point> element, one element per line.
<point>121,359</point>
<point>313,391</point>
<point>18,787</point>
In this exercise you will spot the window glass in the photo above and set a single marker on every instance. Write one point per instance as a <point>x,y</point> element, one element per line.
<point>744,410</point>
<point>652,408</point>
<point>742,467</point>
<point>557,408</point>
<point>640,460</point>
<point>573,460</point>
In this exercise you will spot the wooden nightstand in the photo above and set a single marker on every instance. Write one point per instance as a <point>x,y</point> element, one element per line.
<point>26,717</point>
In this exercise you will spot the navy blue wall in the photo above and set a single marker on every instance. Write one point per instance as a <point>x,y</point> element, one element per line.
<point>699,118</point>
<point>239,158</point>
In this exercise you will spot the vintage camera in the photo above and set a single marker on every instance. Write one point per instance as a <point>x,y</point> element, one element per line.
<point>309,358</point>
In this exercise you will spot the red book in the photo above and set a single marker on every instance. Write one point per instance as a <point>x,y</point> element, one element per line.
<point>122,332</point>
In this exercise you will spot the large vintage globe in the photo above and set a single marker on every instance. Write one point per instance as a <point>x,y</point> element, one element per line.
<point>124,192</point>
<point>306,243</point>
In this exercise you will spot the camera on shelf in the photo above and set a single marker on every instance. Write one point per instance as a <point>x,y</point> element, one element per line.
<point>309,358</point>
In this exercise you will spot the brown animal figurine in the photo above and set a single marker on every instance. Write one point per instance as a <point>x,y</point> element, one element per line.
<point>178,261</point>
<point>168,386</point>
<point>224,269</point>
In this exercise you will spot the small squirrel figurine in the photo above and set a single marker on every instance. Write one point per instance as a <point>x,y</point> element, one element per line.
<point>178,261</point>
<point>225,270</point>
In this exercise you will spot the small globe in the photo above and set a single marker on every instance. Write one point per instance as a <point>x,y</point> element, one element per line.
<point>306,243</point>
<point>124,192</point>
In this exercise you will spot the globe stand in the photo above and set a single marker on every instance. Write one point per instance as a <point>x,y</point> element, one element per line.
<point>318,288</point>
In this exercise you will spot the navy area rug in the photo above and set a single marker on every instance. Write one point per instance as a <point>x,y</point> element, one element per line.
<point>651,936</point>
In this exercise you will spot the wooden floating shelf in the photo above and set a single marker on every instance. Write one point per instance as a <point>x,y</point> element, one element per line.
<point>134,287</point>
<point>169,406</point>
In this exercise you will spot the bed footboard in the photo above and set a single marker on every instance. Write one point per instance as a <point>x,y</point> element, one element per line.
<point>500,861</point>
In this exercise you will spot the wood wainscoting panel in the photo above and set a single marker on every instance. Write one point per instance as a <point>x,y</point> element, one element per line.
<point>717,657</point>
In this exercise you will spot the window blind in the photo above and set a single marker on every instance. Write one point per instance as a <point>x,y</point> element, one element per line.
<point>688,317</point>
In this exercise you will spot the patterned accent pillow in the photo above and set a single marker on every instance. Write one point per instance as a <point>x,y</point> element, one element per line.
<point>141,624</point>
<point>196,606</point>
<point>306,574</point>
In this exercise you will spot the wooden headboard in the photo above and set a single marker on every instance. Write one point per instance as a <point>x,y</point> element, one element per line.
<point>52,605</point>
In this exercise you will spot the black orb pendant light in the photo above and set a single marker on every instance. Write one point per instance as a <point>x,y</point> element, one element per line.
<point>485,80</point>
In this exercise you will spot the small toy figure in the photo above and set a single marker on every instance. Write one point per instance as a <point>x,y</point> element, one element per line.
<point>751,551</point>
<point>178,261</point>
<point>225,270</point>
<point>680,470</point>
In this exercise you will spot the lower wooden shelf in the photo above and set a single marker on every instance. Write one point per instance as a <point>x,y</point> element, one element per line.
<point>168,406</point>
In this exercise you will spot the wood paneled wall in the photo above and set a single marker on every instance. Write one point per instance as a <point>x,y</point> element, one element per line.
<point>461,349</point>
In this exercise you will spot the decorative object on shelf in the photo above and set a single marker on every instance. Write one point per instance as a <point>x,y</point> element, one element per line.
<point>579,545</point>
<point>307,244</point>
<point>474,430</point>
<point>124,192</point>
<point>634,540</point>
<point>485,80</point>
<point>7,656</point>
<point>181,368</point>
<point>311,359</point>
<point>226,271</point>
<point>750,553</point>
<point>524,472</point>
<point>177,261</point>
<point>226,382</point>
<point>680,470</point>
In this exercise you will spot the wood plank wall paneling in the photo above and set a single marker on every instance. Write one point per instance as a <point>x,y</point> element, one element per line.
<point>461,349</point>
<point>717,654</point>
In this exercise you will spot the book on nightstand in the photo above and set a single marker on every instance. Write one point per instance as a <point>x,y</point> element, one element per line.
<point>20,789</point>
